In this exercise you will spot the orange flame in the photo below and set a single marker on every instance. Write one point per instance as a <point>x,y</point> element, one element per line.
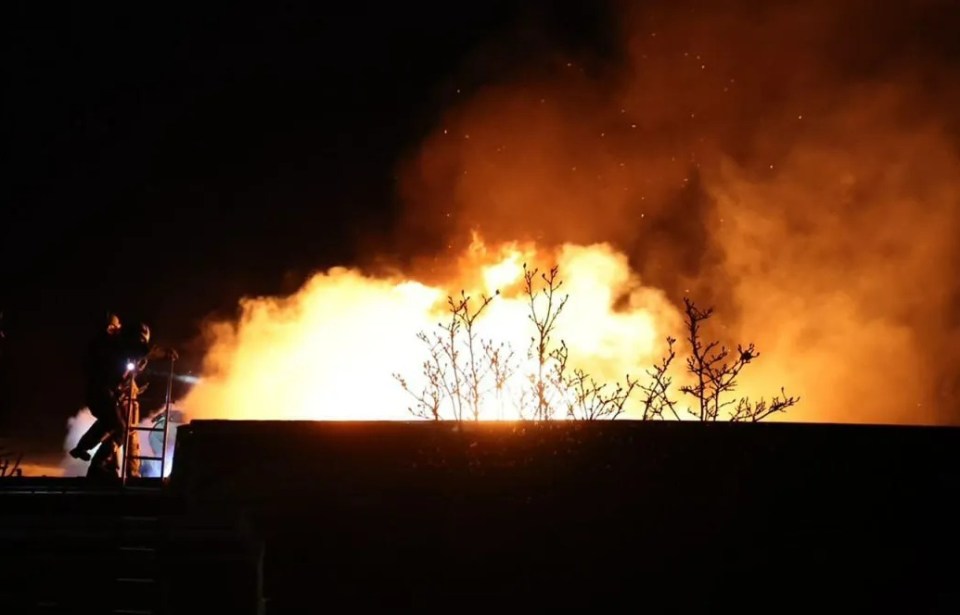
<point>794,165</point>
<point>328,352</point>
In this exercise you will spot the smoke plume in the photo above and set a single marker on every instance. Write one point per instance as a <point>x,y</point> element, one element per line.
<point>795,165</point>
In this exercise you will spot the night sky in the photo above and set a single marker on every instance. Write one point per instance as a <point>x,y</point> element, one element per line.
<point>163,162</point>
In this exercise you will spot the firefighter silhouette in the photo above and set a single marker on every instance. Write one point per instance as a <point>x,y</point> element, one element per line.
<point>114,358</point>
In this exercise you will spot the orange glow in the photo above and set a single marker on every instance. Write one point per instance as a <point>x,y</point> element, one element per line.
<point>794,165</point>
<point>328,352</point>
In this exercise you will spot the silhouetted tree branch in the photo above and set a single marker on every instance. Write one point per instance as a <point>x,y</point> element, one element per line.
<point>546,305</point>
<point>474,370</point>
<point>456,369</point>
<point>10,463</point>
<point>430,398</point>
<point>745,411</point>
<point>582,397</point>
<point>656,400</point>
<point>715,374</point>
<point>591,400</point>
<point>500,358</point>
<point>462,370</point>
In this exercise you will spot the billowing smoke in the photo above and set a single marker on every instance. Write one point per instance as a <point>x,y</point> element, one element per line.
<point>77,425</point>
<point>793,164</point>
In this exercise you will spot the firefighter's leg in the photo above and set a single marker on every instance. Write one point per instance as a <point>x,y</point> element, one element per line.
<point>90,439</point>
<point>102,406</point>
<point>104,463</point>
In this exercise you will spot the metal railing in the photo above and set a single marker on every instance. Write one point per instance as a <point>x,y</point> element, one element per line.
<point>132,459</point>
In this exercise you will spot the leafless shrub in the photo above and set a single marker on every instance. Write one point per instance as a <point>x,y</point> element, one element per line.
<point>746,411</point>
<point>10,463</point>
<point>457,368</point>
<point>656,400</point>
<point>591,400</point>
<point>430,398</point>
<point>715,371</point>
<point>475,367</point>
<point>553,386</point>
<point>581,395</point>
<point>546,305</point>
<point>500,358</point>
<point>463,371</point>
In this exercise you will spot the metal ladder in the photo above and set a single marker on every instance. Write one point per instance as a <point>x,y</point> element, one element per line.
<point>133,428</point>
<point>139,587</point>
<point>140,590</point>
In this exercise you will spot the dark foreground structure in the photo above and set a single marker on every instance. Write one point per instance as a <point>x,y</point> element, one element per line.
<point>293,517</point>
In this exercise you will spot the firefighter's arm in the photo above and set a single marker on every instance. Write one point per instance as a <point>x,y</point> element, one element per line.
<point>161,352</point>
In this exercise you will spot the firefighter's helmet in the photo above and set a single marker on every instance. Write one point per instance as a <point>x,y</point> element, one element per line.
<point>144,333</point>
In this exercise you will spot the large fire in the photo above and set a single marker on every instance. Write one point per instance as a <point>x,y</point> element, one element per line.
<point>793,165</point>
<point>329,351</point>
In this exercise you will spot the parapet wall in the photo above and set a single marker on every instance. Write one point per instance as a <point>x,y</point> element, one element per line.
<point>269,457</point>
<point>686,516</point>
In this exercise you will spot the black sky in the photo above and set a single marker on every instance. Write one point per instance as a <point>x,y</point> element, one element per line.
<point>164,162</point>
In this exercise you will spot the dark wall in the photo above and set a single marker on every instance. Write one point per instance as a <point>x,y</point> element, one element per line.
<point>671,515</point>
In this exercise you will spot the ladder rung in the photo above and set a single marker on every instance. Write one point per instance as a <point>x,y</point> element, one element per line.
<point>142,428</point>
<point>145,458</point>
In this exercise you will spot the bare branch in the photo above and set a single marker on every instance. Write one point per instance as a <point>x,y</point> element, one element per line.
<point>502,367</point>
<point>746,411</point>
<point>473,371</point>
<point>656,398</point>
<point>716,370</point>
<point>465,374</point>
<point>546,305</point>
